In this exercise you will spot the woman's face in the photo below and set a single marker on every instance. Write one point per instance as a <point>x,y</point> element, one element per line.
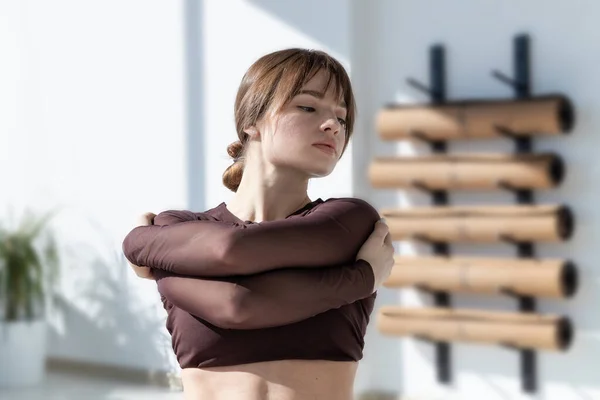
<point>309,133</point>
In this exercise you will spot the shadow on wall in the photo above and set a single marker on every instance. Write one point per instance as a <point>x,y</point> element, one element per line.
<point>102,320</point>
<point>493,365</point>
<point>324,21</point>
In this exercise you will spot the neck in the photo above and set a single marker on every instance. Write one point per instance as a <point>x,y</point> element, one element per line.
<point>267,193</point>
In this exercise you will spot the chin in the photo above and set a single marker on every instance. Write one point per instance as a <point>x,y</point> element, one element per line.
<point>316,172</point>
<point>311,167</point>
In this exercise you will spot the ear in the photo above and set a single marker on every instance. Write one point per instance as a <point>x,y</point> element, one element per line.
<point>252,131</point>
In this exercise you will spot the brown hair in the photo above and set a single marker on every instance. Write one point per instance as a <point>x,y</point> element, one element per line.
<point>270,84</point>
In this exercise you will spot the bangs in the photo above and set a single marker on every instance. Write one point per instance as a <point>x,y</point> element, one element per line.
<point>301,68</point>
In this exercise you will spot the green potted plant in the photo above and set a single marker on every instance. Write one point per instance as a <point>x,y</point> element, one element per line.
<point>28,273</point>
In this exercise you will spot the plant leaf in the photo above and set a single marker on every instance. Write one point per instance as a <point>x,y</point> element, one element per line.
<point>28,266</point>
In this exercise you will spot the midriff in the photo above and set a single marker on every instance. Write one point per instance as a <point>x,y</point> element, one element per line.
<point>272,380</point>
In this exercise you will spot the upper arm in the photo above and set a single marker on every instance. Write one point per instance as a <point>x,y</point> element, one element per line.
<point>172,217</point>
<point>331,235</point>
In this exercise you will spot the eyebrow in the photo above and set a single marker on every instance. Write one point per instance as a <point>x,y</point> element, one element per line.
<point>320,95</point>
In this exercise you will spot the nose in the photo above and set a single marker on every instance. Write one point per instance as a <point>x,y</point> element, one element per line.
<point>331,125</point>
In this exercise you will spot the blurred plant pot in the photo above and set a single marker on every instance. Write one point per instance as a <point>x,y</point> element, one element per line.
<point>28,273</point>
<point>22,353</point>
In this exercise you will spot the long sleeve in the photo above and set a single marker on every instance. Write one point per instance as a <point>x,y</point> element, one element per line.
<point>268,299</point>
<point>330,235</point>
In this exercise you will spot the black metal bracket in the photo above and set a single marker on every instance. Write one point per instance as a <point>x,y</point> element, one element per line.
<point>425,339</point>
<point>439,196</point>
<point>437,76</point>
<point>521,84</point>
<point>523,143</point>
<point>438,146</point>
<point>524,196</point>
<point>436,92</point>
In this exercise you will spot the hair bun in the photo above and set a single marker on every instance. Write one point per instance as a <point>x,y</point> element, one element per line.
<point>235,149</point>
<point>232,177</point>
<point>233,174</point>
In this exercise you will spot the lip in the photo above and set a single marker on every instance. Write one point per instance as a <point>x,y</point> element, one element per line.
<point>326,147</point>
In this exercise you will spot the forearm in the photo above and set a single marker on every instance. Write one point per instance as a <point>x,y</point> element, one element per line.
<point>268,299</point>
<point>330,236</point>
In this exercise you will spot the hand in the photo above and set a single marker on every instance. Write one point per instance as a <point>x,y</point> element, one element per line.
<point>378,251</point>
<point>140,271</point>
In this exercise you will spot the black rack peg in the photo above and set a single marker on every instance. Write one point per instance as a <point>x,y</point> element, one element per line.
<point>424,287</point>
<point>523,142</point>
<point>525,302</point>
<point>424,338</point>
<point>521,83</point>
<point>505,237</point>
<point>508,292</point>
<point>437,76</point>
<point>420,86</point>
<point>438,146</point>
<point>524,249</point>
<point>504,131</point>
<point>508,345</point>
<point>524,196</point>
<point>504,185</point>
<point>419,237</point>
<point>422,136</point>
<point>439,196</point>
<point>417,184</point>
<point>505,79</point>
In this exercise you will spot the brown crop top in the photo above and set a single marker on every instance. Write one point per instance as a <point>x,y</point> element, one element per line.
<point>238,292</point>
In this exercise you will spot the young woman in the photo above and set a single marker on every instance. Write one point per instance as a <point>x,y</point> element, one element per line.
<point>269,296</point>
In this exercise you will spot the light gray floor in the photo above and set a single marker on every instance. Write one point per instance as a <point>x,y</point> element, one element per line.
<point>59,386</point>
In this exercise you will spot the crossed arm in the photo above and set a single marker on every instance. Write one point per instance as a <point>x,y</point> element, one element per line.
<point>268,274</point>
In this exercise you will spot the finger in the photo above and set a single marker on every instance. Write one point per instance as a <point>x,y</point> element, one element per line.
<point>142,272</point>
<point>149,217</point>
<point>146,219</point>
<point>388,239</point>
<point>381,229</point>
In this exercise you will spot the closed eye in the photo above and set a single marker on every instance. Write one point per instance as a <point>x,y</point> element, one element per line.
<point>342,121</point>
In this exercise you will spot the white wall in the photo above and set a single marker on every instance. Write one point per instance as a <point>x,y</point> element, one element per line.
<point>478,36</point>
<point>93,122</point>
